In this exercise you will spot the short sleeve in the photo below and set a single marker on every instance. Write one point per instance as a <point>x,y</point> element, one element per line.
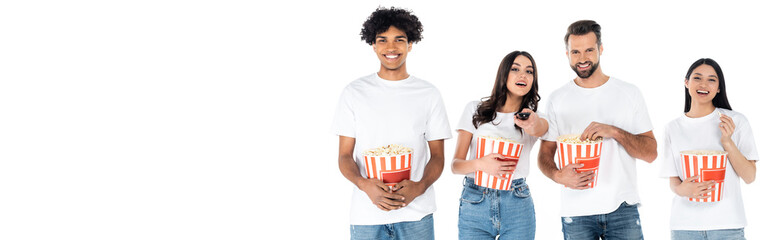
<point>343,120</point>
<point>744,138</point>
<point>552,134</point>
<point>465,122</point>
<point>641,116</point>
<point>668,160</point>
<point>437,123</point>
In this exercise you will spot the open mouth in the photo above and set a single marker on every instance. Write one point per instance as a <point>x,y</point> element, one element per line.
<point>583,66</point>
<point>702,92</point>
<point>520,84</point>
<point>391,56</point>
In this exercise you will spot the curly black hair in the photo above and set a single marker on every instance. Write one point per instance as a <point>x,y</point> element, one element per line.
<point>381,19</point>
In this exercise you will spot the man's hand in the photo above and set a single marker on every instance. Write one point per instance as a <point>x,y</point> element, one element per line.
<point>409,190</point>
<point>380,195</point>
<point>569,177</point>
<point>596,129</point>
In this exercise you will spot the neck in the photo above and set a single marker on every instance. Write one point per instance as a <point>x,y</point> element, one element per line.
<point>393,74</point>
<point>512,104</point>
<point>596,79</point>
<point>700,109</point>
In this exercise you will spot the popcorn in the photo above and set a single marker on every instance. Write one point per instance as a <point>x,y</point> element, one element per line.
<point>510,150</point>
<point>703,152</point>
<point>710,165</point>
<point>389,150</point>
<point>390,164</point>
<point>571,150</point>
<point>575,139</point>
<point>500,139</point>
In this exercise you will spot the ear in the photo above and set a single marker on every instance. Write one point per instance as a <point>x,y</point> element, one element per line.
<point>410,46</point>
<point>685,82</point>
<point>374,47</point>
<point>601,49</point>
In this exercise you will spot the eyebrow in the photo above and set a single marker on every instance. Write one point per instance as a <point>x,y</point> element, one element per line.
<point>528,66</point>
<point>401,36</point>
<point>699,74</point>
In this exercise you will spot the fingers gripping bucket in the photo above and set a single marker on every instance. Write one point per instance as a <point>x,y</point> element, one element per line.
<point>512,152</point>
<point>571,150</point>
<point>709,165</point>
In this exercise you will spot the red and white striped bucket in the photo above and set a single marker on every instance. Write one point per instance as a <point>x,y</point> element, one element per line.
<point>389,169</point>
<point>511,151</point>
<point>588,154</point>
<point>709,165</point>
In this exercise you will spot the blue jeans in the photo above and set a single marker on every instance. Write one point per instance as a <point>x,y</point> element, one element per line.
<point>419,230</point>
<point>485,213</point>
<point>623,223</point>
<point>722,234</point>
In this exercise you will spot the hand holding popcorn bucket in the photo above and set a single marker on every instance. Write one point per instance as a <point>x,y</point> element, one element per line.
<point>709,165</point>
<point>572,150</point>
<point>390,164</point>
<point>512,152</point>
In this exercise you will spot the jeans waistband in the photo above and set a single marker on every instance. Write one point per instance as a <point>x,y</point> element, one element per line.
<point>469,182</point>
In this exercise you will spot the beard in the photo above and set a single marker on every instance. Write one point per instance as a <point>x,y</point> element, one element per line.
<point>586,73</point>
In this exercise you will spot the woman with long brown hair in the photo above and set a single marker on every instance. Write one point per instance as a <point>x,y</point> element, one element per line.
<point>508,114</point>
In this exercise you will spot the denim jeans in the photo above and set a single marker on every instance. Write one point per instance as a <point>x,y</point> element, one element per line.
<point>485,213</point>
<point>419,230</point>
<point>623,223</point>
<point>722,234</point>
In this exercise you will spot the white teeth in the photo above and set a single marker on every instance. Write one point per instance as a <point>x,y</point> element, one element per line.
<point>520,84</point>
<point>704,92</point>
<point>391,56</point>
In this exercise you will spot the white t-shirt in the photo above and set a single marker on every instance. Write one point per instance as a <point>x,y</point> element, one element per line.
<point>570,110</point>
<point>703,133</point>
<point>503,128</point>
<point>378,112</point>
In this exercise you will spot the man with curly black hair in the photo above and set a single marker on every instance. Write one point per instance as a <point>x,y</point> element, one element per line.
<point>391,107</point>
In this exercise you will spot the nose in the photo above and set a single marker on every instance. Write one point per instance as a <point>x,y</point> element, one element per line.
<point>522,75</point>
<point>391,46</point>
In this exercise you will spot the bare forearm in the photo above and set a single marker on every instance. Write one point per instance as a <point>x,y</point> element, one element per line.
<point>546,154</point>
<point>349,169</point>
<point>674,183</point>
<point>539,129</point>
<point>642,146</point>
<point>461,166</point>
<point>744,168</point>
<point>432,171</point>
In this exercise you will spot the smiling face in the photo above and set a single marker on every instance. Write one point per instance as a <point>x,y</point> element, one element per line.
<point>392,49</point>
<point>521,76</point>
<point>584,53</point>
<point>703,84</point>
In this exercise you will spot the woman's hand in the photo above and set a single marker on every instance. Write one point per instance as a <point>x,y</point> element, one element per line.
<point>727,127</point>
<point>530,122</point>
<point>534,125</point>
<point>491,165</point>
<point>693,189</point>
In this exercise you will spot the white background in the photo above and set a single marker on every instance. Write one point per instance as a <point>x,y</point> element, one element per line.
<point>210,119</point>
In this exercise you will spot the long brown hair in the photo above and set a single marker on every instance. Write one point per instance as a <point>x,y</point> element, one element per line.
<point>487,110</point>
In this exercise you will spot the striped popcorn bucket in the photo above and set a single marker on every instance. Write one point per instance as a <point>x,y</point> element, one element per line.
<point>389,169</point>
<point>587,153</point>
<point>511,151</point>
<point>709,165</point>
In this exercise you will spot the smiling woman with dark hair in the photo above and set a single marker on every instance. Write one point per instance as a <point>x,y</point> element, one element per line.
<point>708,207</point>
<point>514,94</point>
